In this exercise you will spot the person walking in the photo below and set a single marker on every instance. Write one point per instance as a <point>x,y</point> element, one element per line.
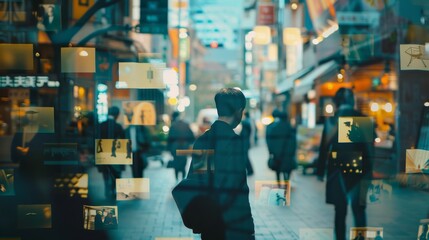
<point>110,129</point>
<point>180,137</point>
<point>140,144</point>
<point>229,215</point>
<point>343,183</point>
<point>281,143</point>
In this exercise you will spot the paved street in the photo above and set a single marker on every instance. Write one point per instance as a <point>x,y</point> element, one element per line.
<point>158,217</point>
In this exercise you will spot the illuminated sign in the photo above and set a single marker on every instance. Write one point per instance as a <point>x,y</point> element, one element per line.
<point>27,82</point>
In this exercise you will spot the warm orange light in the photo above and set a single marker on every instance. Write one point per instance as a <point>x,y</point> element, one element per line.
<point>214,44</point>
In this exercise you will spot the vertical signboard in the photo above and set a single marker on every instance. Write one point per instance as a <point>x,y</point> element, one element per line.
<point>154,16</point>
<point>266,14</point>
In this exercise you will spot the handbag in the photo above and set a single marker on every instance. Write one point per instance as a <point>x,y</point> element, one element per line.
<point>195,196</point>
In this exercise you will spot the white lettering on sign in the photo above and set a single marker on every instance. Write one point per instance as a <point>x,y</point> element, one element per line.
<point>27,82</point>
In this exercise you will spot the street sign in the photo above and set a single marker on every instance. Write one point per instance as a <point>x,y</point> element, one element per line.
<point>266,14</point>
<point>153,16</point>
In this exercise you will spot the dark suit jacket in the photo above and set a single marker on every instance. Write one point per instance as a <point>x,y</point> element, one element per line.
<point>281,142</point>
<point>230,177</point>
<point>339,184</point>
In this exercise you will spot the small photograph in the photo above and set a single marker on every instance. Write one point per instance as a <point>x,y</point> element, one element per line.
<point>77,60</point>
<point>75,185</point>
<point>132,189</point>
<point>34,216</point>
<point>7,182</point>
<point>100,217</point>
<point>366,233</point>
<point>141,75</point>
<point>35,120</point>
<point>113,151</point>
<point>377,192</point>
<point>355,129</point>
<point>316,233</point>
<point>423,233</point>
<point>139,113</point>
<point>414,57</point>
<point>349,162</point>
<point>49,17</point>
<point>272,193</point>
<point>60,154</point>
<point>417,161</point>
<point>16,56</point>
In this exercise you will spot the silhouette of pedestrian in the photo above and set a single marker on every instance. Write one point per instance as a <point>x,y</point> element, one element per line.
<point>129,149</point>
<point>99,146</point>
<point>344,183</point>
<point>114,144</point>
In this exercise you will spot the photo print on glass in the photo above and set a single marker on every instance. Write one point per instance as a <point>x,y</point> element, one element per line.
<point>375,192</point>
<point>316,233</point>
<point>100,217</point>
<point>414,57</point>
<point>366,233</point>
<point>15,56</point>
<point>35,216</point>
<point>7,181</point>
<point>417,161</point>
<point>349,162</point>
<point>75,185</point>
<point>49,16</point>
<point>113,151</point>
<point>139,113</point>
<point>132,188</point>
<point>35,120</point>
<point>355,129</point>
<point>423,232</point>
<point>141,75</point>
<point>272,193</point>
<point>60,154</point>
<point>77,60</point>
<point>14,11</point>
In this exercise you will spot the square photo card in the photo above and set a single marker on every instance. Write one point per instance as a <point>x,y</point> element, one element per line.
<point>272,193</point>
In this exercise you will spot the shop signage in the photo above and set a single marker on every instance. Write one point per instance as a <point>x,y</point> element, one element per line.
<point>266,14</point>
<point>153,16</point>
<point>27,82</point>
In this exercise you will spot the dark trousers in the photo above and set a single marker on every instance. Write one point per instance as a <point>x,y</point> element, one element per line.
<point>341,213</point>
<point>138,165</point>
<point>286,175</point>
<point>110,175</point>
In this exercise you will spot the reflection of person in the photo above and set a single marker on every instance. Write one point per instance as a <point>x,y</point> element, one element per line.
<point>378,237</point>
<point>114,145</point>
<point>110,221</point>
<point>341,183</point>
<point>246,134</point>
<point>129,150</point>
<point>179,137</point>
<point>140,144</point>
<point>359,236</point>
<point>230,179</point>
<point>99,146</point>
<point>281,143</point>
<point>424,235</point>
<point>98,222</point>
<point>50,21</point>
<point>110,129</point>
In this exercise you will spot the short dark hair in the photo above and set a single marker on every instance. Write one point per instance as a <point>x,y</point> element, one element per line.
<point>175,115</point>
<point>344,96</point>
<point>113,111</point>
<point>229,101</point>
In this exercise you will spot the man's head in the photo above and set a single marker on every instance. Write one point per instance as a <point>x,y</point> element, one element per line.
<point>344,96</point>
<point>175,116</point>
<point>230,102</point>
<point>114,112</point>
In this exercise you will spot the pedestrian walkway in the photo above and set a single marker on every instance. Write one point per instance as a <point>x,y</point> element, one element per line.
<point>159,217</point>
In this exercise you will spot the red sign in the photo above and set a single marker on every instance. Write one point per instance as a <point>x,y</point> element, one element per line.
<point>266,14</point>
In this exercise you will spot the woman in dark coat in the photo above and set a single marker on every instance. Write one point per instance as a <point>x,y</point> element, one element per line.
<point>281,142</point>
<point>348,164</point>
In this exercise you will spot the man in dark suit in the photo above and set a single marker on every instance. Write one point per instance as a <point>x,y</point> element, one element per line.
<point>343,180</point>
<point>246,134</point>
<point>229,176</point>
<point>110,129</point>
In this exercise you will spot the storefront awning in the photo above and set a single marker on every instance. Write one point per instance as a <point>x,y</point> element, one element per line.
<point>286,83</point>
<point>305,84</point>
